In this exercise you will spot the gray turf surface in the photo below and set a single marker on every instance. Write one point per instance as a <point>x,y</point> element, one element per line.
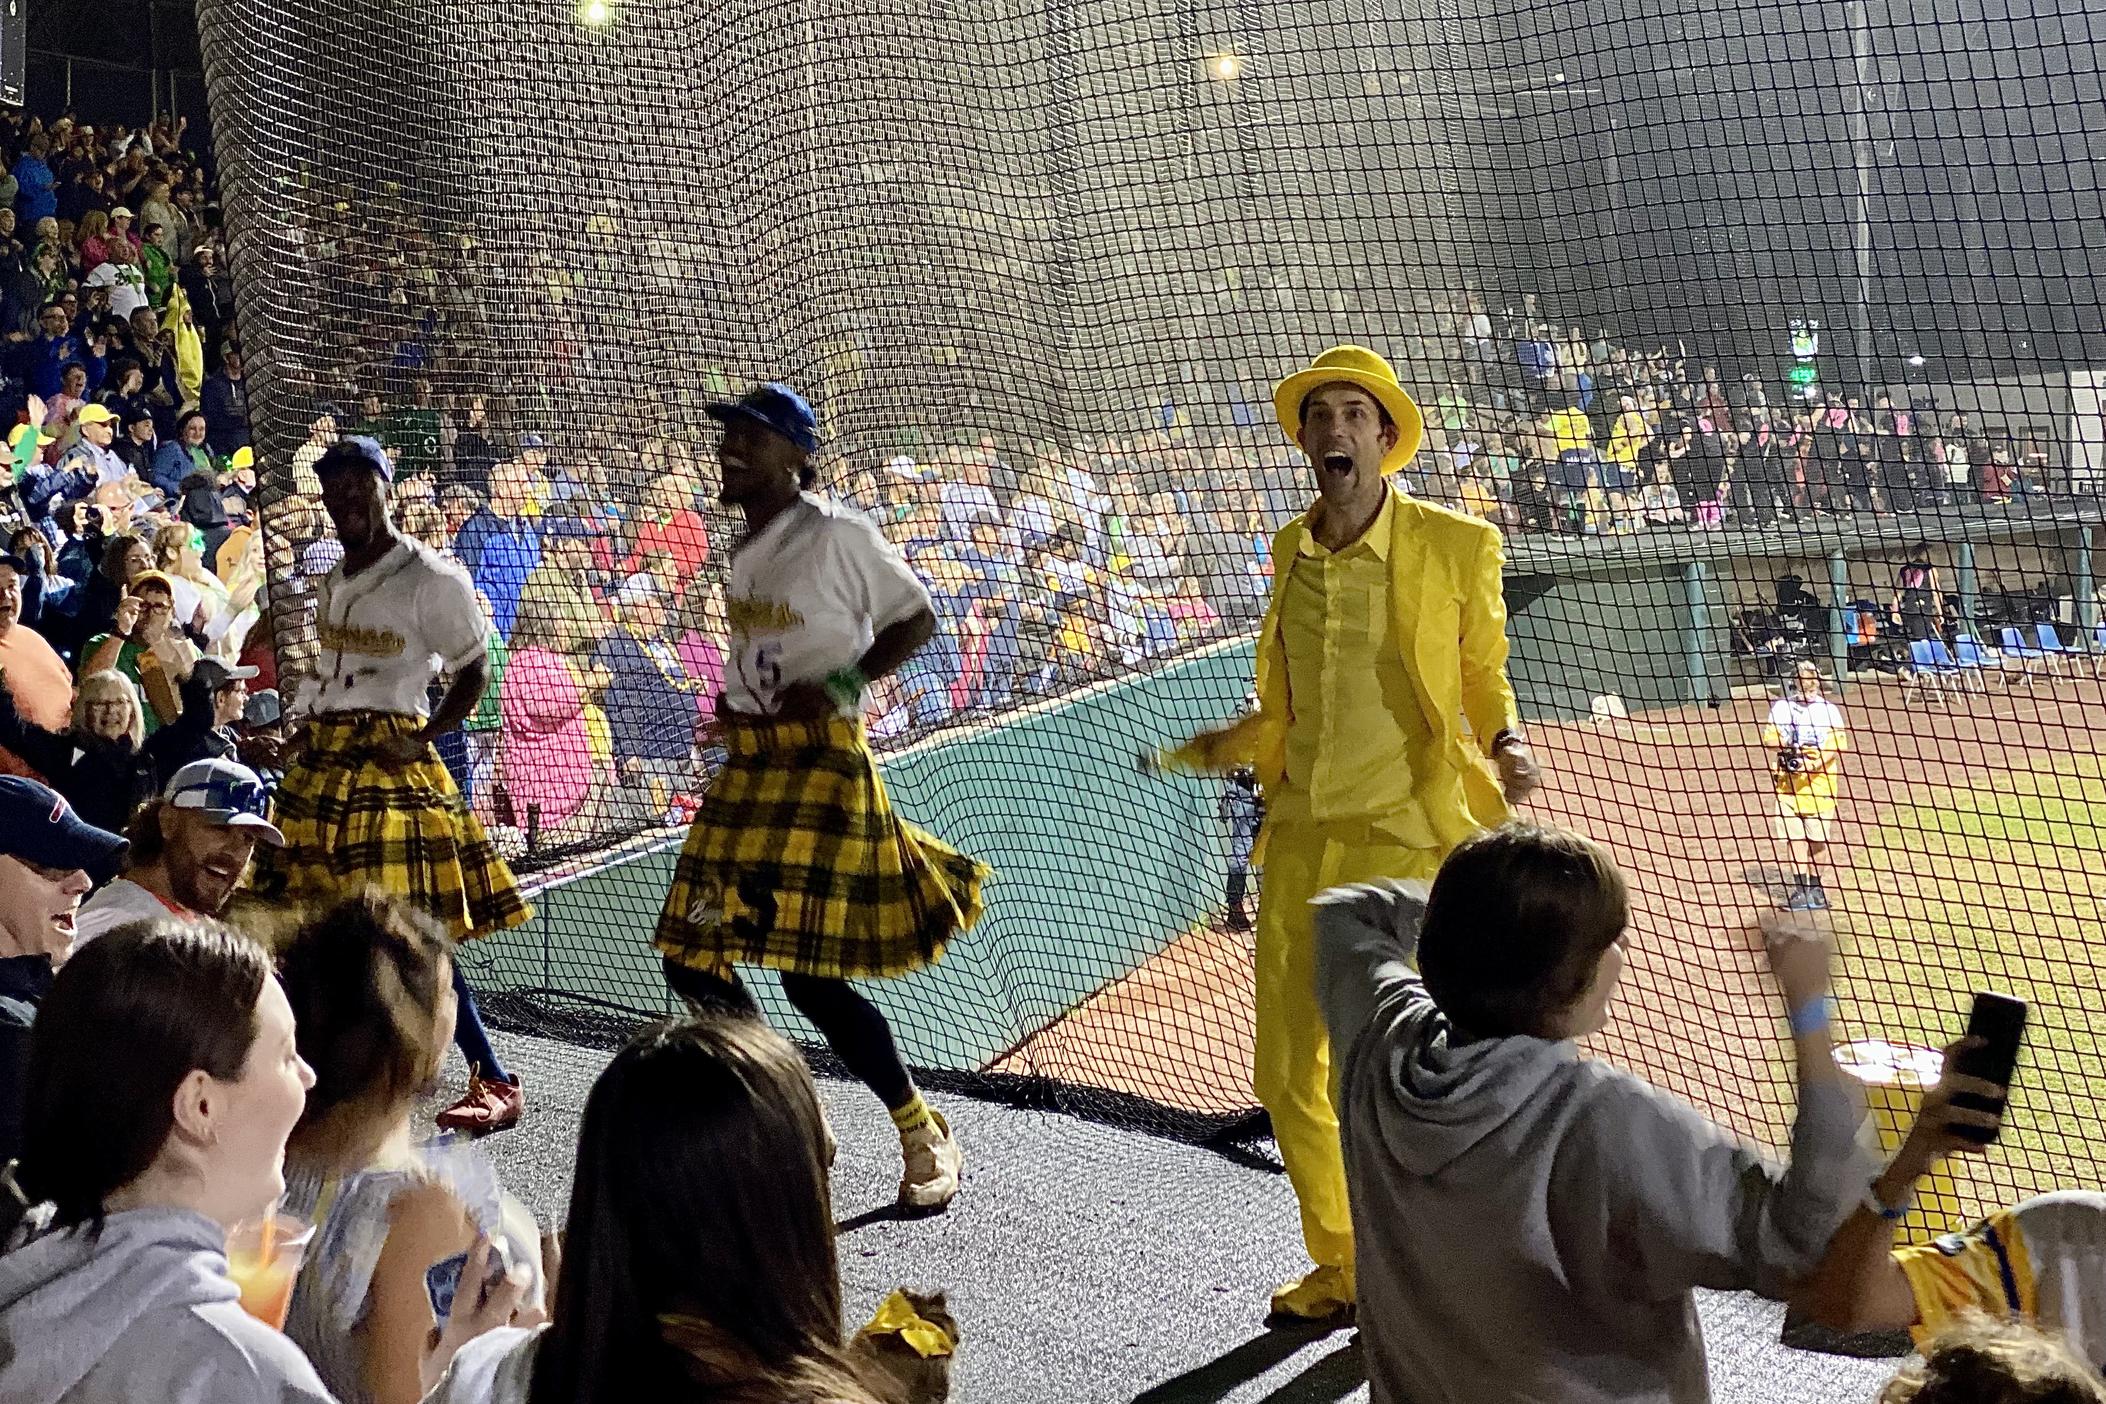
<point>1088,1265</point>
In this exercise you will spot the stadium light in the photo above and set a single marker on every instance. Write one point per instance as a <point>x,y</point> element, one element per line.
<point>1224,67</point>
<point>597,14</point>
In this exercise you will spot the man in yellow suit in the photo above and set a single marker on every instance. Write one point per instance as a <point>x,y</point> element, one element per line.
<point>1385,635</point>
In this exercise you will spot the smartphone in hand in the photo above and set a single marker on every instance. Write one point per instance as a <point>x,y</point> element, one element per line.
<point>442,1280</point>
<point>1999,1022</point>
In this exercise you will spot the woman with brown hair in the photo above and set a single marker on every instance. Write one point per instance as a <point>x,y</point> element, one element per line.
<point>370,982</point>
<point>146,1162</point>
<point>700,1258</point>
<point>91,239</point>
<point>1984,1361</point>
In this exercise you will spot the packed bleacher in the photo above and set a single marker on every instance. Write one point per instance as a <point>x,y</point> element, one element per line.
<point>592,546</point>
<point>1545,429</point>
<point>156,643</point>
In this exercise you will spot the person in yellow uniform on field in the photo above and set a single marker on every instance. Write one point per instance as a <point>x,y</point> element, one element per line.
<point>1385,636</point>
<point>1806,738</point>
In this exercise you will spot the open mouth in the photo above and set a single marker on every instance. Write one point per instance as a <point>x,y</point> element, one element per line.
<point>1338,462</point>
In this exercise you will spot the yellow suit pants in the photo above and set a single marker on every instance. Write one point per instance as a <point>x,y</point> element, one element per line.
<point>1292,1064</point>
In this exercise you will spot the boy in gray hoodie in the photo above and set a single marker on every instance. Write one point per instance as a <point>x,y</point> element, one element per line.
<point>1532,1223</point>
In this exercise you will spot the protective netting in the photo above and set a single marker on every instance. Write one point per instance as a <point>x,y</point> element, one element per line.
<point>1764,331</point>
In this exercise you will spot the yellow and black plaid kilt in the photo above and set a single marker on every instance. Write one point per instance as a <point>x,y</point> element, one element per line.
<point>797,862</point>
<point>352,821</point>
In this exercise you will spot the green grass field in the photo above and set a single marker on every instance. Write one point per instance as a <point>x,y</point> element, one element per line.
<point>1999,886</point>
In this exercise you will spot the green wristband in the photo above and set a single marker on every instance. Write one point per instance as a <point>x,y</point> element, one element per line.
<point>845,685</point>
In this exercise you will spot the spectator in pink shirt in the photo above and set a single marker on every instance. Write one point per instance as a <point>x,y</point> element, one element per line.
<point>701,646</point>
<point>550,772</point>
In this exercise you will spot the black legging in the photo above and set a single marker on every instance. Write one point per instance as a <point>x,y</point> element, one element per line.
<point>853,1027</point>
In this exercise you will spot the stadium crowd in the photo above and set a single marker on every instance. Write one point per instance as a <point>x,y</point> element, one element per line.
<point>153,646</point>
<point>591,544</point>
<point>1546,429</point>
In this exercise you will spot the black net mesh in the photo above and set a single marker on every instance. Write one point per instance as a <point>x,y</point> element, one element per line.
<point>1764,331</point>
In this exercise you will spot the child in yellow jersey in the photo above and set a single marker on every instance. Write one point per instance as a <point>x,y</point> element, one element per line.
<point>2042,1260</point>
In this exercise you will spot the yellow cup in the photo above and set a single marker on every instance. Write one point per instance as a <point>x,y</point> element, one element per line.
<point>263,1258</point>
<point>1895,1077</point>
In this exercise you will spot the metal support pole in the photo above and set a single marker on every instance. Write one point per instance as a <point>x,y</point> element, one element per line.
<point>1861,207</point>
<point>2080,587</point>
<point>1841,623</point>
<point>1696,643</point>
<point>1964,581</point>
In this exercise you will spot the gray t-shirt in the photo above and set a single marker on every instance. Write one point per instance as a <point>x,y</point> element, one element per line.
<point>121,902</point>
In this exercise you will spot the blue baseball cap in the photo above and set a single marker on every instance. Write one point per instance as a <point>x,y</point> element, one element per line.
<point>356,451</point>
<point>228,794</point>
<point>38,826</point>
<point>776,408</point>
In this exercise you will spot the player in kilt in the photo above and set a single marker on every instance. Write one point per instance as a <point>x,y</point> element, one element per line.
<point>366,802</point>
<point>796,861</point>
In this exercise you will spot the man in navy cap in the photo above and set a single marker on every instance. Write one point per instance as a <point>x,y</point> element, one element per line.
<point>366,801</point>
<point>796,861</point>
<point>48,858</point>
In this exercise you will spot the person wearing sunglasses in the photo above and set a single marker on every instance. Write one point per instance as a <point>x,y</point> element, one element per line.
<point>189,850</point>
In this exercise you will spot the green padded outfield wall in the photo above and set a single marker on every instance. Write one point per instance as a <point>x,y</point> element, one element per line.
<point>1001,792</point>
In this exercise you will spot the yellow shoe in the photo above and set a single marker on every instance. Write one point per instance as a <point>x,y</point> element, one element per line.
<point>1323,1297</point>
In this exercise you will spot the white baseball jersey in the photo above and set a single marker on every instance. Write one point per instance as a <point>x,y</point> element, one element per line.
<point>392,628</point>
<point>807,595</point>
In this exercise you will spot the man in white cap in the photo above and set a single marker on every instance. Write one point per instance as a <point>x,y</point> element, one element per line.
<point>190,848</point>
<point>1385,635</point>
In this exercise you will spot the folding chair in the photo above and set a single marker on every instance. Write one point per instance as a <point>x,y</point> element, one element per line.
<point>2052,648</point>
<point>2014,646</point>
<point>1978,662</point>
<point>1923,674</point>
<point>1951,669</point>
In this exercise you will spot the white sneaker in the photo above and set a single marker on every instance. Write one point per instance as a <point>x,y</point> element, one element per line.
<point>933,1162</point>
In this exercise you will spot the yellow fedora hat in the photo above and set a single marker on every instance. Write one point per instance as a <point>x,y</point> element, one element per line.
<point>1353,365</point>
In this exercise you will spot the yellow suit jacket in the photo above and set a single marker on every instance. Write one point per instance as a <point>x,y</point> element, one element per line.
<point>1450,624</point>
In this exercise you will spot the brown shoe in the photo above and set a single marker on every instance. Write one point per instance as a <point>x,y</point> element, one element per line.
<point>488,1105</point>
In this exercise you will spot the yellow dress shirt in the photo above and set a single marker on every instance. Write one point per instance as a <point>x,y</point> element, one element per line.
<point>1356,737</point>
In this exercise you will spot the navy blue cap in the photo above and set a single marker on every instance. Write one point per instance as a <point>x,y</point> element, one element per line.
<point>356,451</point>
<point>776,408</point>
<point>38,826</point>
<point>527,441</point>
